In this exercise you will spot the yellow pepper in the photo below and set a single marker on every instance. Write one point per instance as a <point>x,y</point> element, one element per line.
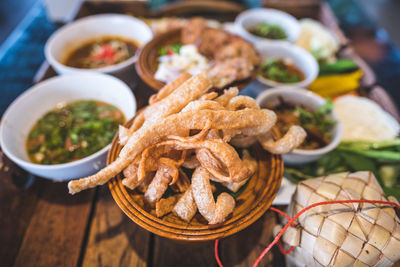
<point>336,84</point>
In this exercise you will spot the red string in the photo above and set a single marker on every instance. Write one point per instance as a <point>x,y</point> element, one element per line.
<point>292,220</point>
<point>216,253</point>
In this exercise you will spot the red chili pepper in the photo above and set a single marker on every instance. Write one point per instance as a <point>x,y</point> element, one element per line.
<point>106,53</point>
<point>170,52</point>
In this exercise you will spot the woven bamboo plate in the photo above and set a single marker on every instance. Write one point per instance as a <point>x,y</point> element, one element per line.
<point>251,204</point>
<point>147,64</point>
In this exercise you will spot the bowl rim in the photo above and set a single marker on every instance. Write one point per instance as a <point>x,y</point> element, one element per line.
<point>77,23</point>
<point>337,130</point>
<point>284,19</point>
<point>301,52</point>
<point>33,90</point>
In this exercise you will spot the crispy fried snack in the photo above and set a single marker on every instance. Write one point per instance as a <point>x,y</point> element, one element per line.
<point>203,196</point>
<point>292,139</point>
<point>186,207</point>
<point>251,163</point>
<point>186,126</point>
<point>169,88</point>
<point>158,186</point>
<point>166,205</point>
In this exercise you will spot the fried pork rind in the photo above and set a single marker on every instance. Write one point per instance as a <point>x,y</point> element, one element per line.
<point>166,205</point>
<point>213,212</point>
<point>123,134</point>
<point>169,88</point>
<point>179,98</point>
<point>182,184</point>
<point>188,126</point>
<point>186,207</point>
<point>236,170</point>
<point>209,96</point>
<point>158,186</point>
<point>242,102</point>
<point>227,96</point>
<point>251,163</point>
<point>292,139</point>
<point>254,122</point>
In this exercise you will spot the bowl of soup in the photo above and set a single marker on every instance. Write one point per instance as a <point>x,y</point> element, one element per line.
<point>62,127</point>
<point>297,106</point>
<point>267,24</point>
<point>107,43</point>
<point>285,64</point>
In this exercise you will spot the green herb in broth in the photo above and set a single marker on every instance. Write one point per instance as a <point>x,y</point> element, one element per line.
<point>318,124</point>
<point>279,70</point>
<point>73,131</point>
<point>268,31</point>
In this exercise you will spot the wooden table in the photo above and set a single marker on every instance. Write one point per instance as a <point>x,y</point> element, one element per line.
<point>42,225</point>
<point>45,226</point>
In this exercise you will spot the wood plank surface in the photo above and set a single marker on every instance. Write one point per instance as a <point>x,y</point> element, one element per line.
<point>17,205</point>
<point>246,246</point>
<point>172,253</point>
<point>241,249</point>
<point>56,230</point>
<point>114,240</point>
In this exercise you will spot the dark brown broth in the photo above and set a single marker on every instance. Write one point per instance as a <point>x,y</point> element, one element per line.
<point>84,57</point>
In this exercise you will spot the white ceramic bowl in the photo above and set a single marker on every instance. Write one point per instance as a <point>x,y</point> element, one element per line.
<point>71,36</point>
<point>302,59</point>
<point>299,96</point>
<point>252,17</point>
<point>24,112</point>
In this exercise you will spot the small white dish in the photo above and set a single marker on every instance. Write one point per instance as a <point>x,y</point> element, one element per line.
<point>24,112</point>
<point>299,96</point>
<point>71,36</point>
<point>302,59</point>
<point>252,17</point>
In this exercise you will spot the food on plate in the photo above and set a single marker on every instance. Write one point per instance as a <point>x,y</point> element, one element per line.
<point>101,52</point>
<point>318,124</point>
<point>318,40</point>
<point>176,59</point>
<point>189,128</point>
<point>364,120</point>
<point>227,58</point>
<point>73,131</point>
<point>268,31</point>
<point>349,234</point>
<point>281,70</point>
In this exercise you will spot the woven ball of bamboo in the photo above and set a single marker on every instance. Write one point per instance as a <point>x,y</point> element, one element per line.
<point>353,234</point>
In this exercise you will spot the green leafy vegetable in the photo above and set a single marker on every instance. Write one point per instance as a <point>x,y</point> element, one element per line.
<point>170,50</point>
<point>279,71</point>
<point>73,131</point>
<point>381,158</point>
<point>337,67</point>
<point>269,31</point>
<point>319,122</point>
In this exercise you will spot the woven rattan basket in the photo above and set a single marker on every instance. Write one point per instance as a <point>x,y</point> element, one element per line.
<point>355,234</point>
